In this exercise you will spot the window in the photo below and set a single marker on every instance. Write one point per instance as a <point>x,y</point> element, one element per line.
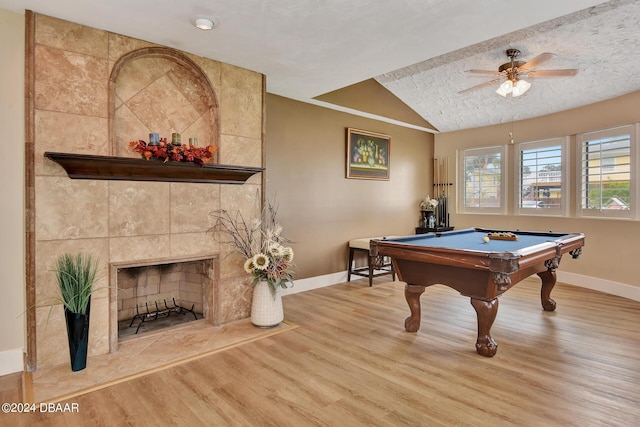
<point>483,178</point>
<point>542,184</point>
<point>608,164</point>
<point>607,169</point>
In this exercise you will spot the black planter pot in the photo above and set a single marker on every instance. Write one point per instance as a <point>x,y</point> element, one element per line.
<point>78,336</point>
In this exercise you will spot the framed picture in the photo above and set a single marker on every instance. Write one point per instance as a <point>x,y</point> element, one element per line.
<point>368,154</point>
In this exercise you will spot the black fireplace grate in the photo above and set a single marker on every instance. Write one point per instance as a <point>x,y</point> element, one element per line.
<point>159,312</point>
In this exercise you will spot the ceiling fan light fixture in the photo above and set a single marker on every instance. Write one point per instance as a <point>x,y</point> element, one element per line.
<point>505,88</point>
<point>513,70</point>
<point>521,87</point>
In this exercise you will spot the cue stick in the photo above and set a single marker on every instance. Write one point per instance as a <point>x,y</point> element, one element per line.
<point>446,190</point>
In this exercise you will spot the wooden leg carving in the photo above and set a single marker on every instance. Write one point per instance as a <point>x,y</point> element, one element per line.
<point>548,282</point>
<point>412,295</point>
<point>486,312</point>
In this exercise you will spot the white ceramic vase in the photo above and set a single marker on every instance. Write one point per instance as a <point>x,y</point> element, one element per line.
<point>266,311</point>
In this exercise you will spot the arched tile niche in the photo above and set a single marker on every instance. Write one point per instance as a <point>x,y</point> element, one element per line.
<point>160,90</point>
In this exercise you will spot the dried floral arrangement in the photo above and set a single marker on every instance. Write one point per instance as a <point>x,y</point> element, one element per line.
<point>177,153</point>
<point>428,204</point>
<point>260,242</point>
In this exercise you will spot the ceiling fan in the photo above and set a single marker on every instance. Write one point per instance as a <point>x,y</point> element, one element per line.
<point>514,70</point>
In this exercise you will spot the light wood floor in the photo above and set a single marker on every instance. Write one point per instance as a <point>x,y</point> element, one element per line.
<point>350,363</point>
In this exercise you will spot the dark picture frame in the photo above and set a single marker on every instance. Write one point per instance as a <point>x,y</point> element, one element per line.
<point>368,155</point>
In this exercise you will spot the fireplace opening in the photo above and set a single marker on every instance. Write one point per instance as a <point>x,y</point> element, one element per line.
<point>156,297</point>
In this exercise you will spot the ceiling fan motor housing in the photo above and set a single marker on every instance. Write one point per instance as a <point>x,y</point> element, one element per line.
<point>508,65</point>
<point>512,66</point>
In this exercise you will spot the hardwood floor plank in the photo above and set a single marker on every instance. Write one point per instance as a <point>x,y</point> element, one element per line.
<point>351,363</point>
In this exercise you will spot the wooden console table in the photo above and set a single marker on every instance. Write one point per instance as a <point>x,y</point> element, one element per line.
<point>425,230</point>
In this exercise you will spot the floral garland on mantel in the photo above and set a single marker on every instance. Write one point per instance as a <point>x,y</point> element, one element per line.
<point>172,152</point>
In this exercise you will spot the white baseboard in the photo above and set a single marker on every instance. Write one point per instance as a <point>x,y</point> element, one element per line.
<point>588,282</point>
<point>316,282</point>
<point>11,361</point>
<point>602,285</point>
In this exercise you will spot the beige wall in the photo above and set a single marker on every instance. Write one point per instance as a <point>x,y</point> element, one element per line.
<point>611,250</point>
<point>12,248</point>
<point>319,208</point>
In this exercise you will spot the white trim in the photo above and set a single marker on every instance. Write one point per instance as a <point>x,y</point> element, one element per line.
<point>631,130</point>
<point>634,172</point>
<point>594,283</point>
<point>563,142</point>
<point>11,361</point>
<point>462,186</point>
<point>316,282</point>
<point>602,285</point>
<point>367,115</point>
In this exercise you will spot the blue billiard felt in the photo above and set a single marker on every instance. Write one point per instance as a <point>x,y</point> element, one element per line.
<point>471,239</point>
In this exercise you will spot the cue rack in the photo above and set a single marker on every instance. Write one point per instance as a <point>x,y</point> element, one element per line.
<point>442,190</point>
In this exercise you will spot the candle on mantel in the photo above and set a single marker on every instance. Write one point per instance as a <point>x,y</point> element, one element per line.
<point>193,142</point>
<point>175,139</point>
<point>154,139</point>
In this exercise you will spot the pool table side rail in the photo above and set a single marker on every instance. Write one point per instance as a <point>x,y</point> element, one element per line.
<point>523,232</point>
<point>437,255</point>
<point>465,258</point>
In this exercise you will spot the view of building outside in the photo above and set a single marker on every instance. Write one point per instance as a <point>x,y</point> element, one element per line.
<point>482,179</point>
<point>540,176</point>
<point>606,173</point>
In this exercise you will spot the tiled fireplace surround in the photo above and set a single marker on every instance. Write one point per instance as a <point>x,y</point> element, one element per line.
<point>90,92</point>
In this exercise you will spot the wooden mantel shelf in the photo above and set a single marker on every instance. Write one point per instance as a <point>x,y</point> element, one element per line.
<point>82,166</point>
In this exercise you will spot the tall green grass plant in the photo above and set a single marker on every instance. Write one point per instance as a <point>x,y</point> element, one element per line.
<point>76,275</point>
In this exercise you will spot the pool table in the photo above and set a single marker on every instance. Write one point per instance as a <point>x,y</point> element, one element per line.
<point>480,270</point>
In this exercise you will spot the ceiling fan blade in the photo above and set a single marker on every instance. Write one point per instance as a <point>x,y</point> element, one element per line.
<point>480,85</point>
<point>491,73</point>
<point>553,73</point>
<point>537,60</point>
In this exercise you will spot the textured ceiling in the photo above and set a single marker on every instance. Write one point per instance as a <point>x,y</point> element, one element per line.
<point>603,43</point>
<point>417,49</point>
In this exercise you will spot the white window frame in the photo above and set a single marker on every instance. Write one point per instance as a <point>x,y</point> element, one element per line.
<point>462,154</point>
<point>563,142</point>
<point>634,203</point>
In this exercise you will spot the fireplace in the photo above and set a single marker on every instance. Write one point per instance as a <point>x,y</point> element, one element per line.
<point>154,295</point>
<point>89,95</point>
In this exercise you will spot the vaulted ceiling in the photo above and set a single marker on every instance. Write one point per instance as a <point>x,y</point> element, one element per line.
<point>409,56</point>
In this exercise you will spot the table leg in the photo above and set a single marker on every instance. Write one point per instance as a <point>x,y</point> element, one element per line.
<point>486,312</point>
<point>412,295</point>
<point>548,282</point>
<point>350,266</point>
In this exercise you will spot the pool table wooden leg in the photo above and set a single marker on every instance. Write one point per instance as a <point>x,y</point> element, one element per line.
<point>486,312</point>
<point>412,295</point>
<point>548,282</point>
